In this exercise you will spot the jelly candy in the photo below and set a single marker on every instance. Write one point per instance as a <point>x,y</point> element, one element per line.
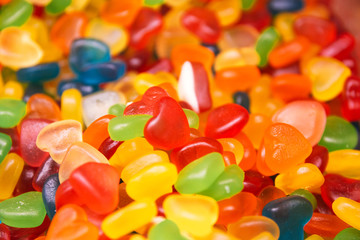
<point>163,230</point>
<point>195,214</point>
<point>319,157</point>
<point>193,87</point>
<point>251,226</point>
<point>11,112</point>
<point>57,137</point>
<point>285,147</point>
<point>265,43</point>
<point>24,183</point>
<point>69,222</point>
<point>124,128</point>
<point>39,73</point>
<point>347,210</point>
<point>103,200</point>
<point>339,134</point>
<point>15,13</point>
<point>10,171</point>
<point>226,121</point>
<point>5,145</point>
<point>344,162</point>
<point>290,87</point>
<point>48,194</point>
<point>122,13</point>
<point>198,175</point>
<point>340,48</point>
<point>291,214</point>
<point>203,23</point>
<point>24,211</point>
<point>141,212</point>
<point>348,233</point>
<point>306,194</point>
<point>242,99</point>
<point>350,102</point>
<point>71,107</point>
<point>43,107</point>
<point>57,6</point>
<point>169,127</point>
<point>77,84</point>
<point>97,131</point>
<point>278,6</point>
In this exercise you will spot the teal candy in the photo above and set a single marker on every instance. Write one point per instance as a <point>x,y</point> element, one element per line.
<point>15,13</point>
<point>306,194</point>
<point>228,184</point>
<point>339,134</point>
<point>348,234</point>
<point>265,43</point>
<point>117,109</point>
<point>192,117</point>
<point>11,112</point>
<point>5,145</point>
<point>57,6</point>
<point>123,128</point>
<point>198,175</point>
<point>24,211</point>
<point>163,230</point>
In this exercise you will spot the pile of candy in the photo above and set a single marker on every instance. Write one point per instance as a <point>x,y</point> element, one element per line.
<point>178,119</point>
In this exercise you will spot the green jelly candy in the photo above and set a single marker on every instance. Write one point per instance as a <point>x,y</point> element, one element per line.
<point>123,128</point>
<point>164,230</point>
<point>117,109</point>
<point>247,4</point>
<point>339,134</point>
<point>153,2</point>
<point>348,234</point>
<point>15,13</point>
<point>306,194</point>
<point>57,6</point>
<point>192,117</point>
<point>5,145</point>
<point>228,184</point>
<point>198,175</point>
<point>265,43</point>
<point>11,112</point>
<point>24,211</point>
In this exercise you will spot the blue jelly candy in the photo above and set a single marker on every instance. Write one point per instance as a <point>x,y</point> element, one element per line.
<point>39,73</point>
<point>242,99</point>
<point>291,214</point>
<point>48,194</point>
<point>87,51</point>
<point>102,72</point>
<point>278,6</point>
<point>77,84</point>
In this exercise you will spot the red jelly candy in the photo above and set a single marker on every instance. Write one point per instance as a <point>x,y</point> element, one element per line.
<point>316,29</point>
<point>254,182</point>
<point>195,149</point>
<point>203,23</point>
<point>146,25</point>
<point>338,186</point>
<point>340,48</point>
<point>350,107</point>
<point>46,169</point>
<point>25,181</point>
<point>108,147</point>
<point>169,127</point>
<point>65,194</point>
<point>147,102</point>
<point>29,129</point>
<point>226,121</point>
<point>89,181</point>
<point>319,157</point>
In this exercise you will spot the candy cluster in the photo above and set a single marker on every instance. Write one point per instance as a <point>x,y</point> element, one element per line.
<point>178,119</point>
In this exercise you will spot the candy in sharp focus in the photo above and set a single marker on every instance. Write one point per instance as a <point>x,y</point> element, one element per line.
<point>179,119</point>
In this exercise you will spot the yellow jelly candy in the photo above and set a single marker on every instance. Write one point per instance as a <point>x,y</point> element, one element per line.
<point>10,171</point>
<point>152,181</point>
<point>78,154</point>
<point>347,210</point>
<point>344,162</point>
<point>306,176</point>
<point>283,23</point>
<point>264,236</point>
<point>57,137</point>
<point>314,237</point>
<point>77,5</point>
<point>143,161</point>
<point>144,81</point>
<point>128,151</point>
<point>195,214</point>
<point>227,11</point>
<point>71,107</point>
<point>13,90</point>
<point>217,234</point>
<point>328,76</point>
<point>129,218</point>
<point>115,36</point>
<point>17,49</point>
<point>236,57</point>
<point>37,30</point>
